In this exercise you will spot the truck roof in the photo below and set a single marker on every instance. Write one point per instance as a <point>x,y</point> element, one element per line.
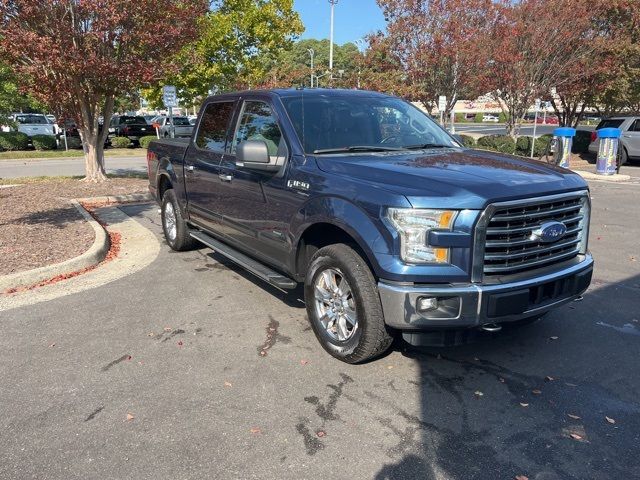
<point>307,92</point>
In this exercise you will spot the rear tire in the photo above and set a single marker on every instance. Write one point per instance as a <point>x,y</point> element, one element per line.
<point>176,230</point>
<point>344,306</point>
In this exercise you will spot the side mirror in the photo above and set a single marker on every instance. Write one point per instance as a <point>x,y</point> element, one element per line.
<point>254,155</point>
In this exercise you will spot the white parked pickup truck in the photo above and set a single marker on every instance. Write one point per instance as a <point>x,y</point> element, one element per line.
<point>33,124</point>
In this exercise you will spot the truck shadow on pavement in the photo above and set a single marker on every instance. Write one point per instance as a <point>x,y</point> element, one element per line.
<point>555,399</point>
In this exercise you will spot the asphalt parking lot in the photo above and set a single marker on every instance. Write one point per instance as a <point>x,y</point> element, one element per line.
<point>191,369</point>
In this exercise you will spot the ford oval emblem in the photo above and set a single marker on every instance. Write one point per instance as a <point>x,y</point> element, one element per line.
<point>549,232</point>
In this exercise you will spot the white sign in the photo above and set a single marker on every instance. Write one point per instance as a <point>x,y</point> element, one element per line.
<point>169,97</point>
<point>442,103</point>
<point>547,105</point>
<point>537,104</point>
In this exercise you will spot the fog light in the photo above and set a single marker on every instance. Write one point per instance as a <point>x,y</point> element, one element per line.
<point>426,304</point>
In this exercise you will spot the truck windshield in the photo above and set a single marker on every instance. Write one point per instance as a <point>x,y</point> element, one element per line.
<point>335,124</point>
<point>32,120</point>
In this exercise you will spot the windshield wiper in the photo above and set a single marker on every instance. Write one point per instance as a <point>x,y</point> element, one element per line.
<point>358,148</point>
<point>421,146</point>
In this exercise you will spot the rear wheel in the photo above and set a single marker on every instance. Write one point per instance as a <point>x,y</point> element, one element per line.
<point>176,230</point>
<point>343,305</point>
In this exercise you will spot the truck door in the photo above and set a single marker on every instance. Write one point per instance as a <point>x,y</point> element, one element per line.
<point>254,204</point>
<point>202,164</point>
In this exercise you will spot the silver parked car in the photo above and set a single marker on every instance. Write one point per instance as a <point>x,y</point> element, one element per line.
<point>629,141</point>
<point>182,125</point>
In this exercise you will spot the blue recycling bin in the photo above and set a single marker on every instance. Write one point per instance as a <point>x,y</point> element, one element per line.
<point>607,150</point>
<point>563,138</point>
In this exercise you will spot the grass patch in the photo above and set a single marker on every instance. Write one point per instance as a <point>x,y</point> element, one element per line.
<point>32,154</point>
<point>28,180</point>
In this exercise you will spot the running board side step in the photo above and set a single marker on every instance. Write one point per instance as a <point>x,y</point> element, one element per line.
<point>253,266</point>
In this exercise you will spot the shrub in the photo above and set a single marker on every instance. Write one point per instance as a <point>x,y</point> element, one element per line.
<point>44,142</point>
<point>542,143</point>
<point>460,117</point>
<point>120,142</point>
<point>502,117</point>
<point>13,141</point>
<point>478,118</point>
<point>497,143</point>
<point>145,141</point>
<point>581,141</point>
<point>523,146</point>
<point>73,142</point>
<point>467,140</point>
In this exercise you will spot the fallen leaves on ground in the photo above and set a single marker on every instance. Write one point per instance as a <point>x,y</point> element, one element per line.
<point>610,420</point>
<point>321,433</point>
<point>478,393</point>
<point>522,477</point>
<point>501,380</point>
<point>303,362</point>
<point>167,329</point>
<point>255,430</point>
<point>180,343</point>
<point>575,436</point>
<point>535,391</point>
<point>130,417</point>
<point>228,384</point>
<point>524,404</point>
<point>554,338</point>
<point>549,378</point>
<point>52,345</point>
<point>575,417</point>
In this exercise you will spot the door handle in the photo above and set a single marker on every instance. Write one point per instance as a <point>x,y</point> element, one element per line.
<point>225,177</point>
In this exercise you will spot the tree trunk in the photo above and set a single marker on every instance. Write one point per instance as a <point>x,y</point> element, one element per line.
<point>93,140</point>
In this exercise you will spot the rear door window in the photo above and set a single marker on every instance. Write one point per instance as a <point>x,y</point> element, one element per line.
<point>212,134</point>
<point>610,123</point>
<point>636,126</point>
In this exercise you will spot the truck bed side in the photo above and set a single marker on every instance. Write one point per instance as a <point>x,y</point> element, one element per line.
<point>165,164</point>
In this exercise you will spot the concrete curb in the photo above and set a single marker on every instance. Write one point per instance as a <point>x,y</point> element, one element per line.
<point>139,247</point>
<point>134,197</point>
<point>604,178</point>
<point>94,255</point>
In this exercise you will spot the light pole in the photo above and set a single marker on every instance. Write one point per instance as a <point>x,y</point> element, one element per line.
<point>311,54</point>
<point>333,4</point>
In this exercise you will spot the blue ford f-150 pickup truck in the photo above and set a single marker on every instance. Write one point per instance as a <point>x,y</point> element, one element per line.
<point>390,223</point>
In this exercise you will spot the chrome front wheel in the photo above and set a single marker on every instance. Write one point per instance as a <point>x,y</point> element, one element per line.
<point>335,305</point>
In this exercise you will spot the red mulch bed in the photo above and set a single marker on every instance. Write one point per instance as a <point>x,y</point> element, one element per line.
<point>39,226</point>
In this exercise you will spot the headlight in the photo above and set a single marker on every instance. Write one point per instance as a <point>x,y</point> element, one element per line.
<point>413,226</point>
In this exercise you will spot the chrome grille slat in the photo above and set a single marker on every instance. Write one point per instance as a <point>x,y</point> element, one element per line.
<point>530,264</point>
<point>510,246</point>
<point>542,213</point>
<point>533,251</point>
<point>507,243</point>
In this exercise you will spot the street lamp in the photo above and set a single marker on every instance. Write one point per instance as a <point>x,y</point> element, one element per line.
<point>333,4</point>
<point>311,53</point>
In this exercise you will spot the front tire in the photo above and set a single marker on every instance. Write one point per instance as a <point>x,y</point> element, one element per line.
<point>176,230</point>
<point>343,305</point>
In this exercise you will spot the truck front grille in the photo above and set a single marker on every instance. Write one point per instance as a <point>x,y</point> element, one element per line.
<point>510,246</point>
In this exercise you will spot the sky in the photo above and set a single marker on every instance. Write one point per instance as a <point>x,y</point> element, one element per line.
<point>353,19</point>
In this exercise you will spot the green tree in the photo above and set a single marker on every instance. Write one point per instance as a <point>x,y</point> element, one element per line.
<point>292,67</point>
<point>11,98</point>
<point>238,42</point>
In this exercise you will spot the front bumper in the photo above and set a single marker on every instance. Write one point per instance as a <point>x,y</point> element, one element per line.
<point>471,305</point>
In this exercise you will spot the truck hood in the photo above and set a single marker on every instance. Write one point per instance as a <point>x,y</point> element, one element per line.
<point>453,178</point>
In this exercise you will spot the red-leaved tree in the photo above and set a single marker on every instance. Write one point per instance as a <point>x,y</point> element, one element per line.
<point>436,44</point>
<point>536,46</point>
<point>76,56</point>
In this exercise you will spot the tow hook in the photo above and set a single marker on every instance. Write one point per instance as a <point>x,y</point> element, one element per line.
<point>491,327</point>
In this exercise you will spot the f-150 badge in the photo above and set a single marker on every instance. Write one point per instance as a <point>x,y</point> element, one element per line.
<point>298,184</point>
